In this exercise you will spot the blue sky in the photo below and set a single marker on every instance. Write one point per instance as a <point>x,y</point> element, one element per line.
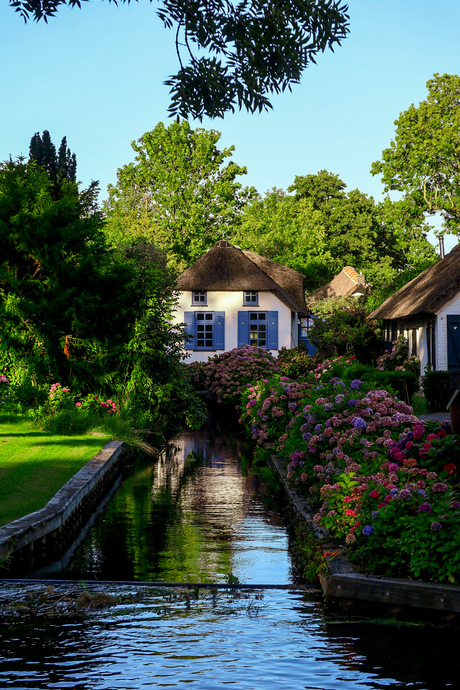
<point>96,76</point>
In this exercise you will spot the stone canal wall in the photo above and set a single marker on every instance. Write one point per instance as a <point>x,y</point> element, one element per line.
<point>55,517</point>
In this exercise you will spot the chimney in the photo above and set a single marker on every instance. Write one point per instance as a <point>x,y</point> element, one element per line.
<point>441,246</point>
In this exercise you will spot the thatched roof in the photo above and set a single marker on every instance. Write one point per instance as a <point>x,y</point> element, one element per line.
<point>227,268</point>
<point>425,294</point>
<point>346,283</point>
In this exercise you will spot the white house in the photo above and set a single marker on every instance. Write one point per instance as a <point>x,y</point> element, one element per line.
<point>231,297</point>
<point>427,312</point>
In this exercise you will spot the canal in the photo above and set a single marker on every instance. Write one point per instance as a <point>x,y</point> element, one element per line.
<point>200,514</point>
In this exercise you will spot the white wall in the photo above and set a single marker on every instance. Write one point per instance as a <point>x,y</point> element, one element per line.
<point>451,308</point>
<point>231,303</point>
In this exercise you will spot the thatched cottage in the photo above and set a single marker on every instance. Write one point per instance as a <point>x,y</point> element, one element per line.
<point>427,312</point>
<point>231,297</point>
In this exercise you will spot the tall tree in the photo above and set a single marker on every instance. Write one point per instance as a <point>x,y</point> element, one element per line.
<point>179,193</point>
<point>320,228</point>
<point>423,160</point>
<point>250,49</point>
<point>64,304</point>
<point>59,166</point>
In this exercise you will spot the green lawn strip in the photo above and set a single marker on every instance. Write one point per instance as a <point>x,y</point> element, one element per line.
<point>34,465</point>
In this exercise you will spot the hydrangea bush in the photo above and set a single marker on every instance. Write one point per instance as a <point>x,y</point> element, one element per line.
<point>270,404</point>
<point>227,375</point>
<point>379,478</point>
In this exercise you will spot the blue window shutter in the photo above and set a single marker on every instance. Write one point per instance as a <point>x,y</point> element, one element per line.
<point>243,328</point>
<point>219,330</point>
<point>272,341</point>
<point>189,319</point>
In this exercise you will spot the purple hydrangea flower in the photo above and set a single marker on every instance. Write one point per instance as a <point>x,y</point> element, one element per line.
<point>375,513</point>
<point>352,402</point>
<point>435,526</point>
<point>425,508</point>
<point>355,383</point>
<point>394,491</point>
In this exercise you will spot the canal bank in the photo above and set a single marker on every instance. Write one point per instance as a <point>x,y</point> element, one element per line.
<point>59,521</point>
<point>341,583</point>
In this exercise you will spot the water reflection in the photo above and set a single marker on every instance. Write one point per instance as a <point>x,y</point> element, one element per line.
<point>193,515</point>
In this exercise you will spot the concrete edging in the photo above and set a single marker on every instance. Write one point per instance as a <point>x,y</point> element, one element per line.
<point>30,528</point>
<point>343,582</point>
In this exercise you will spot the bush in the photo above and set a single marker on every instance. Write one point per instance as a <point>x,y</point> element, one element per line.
<point>436,388</point>
<point>403,384</point>
<point>296,362</point>
<point>398,359</point>
<point>228,374</point>
<point>269,405</point>
<point>342,328</point>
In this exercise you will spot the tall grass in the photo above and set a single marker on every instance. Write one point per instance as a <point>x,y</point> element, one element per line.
<point>119,426</point>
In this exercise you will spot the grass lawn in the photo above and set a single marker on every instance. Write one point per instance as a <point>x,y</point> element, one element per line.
<point>34,465</point>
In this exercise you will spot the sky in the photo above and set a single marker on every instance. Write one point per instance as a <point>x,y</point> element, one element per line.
<point>96,76</point>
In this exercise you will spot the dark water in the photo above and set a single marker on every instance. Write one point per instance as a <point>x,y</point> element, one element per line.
<point>192,516</point>
<point>197,516</point>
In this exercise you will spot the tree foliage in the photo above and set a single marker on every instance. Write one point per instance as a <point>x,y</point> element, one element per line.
<point>343,329</point>
<point>56,290</point>
<point>423,160</point>
<point>250,49</point>
<point>61,165</point>
<point>320,228</point>
<point>178,193</point>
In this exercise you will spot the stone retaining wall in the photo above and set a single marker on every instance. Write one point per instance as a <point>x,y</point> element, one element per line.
<point>34,527</point>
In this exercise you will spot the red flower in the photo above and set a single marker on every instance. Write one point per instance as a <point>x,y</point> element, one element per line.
<point>374,493</point>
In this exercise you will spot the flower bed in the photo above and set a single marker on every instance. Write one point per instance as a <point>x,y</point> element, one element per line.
<point>380,479</point>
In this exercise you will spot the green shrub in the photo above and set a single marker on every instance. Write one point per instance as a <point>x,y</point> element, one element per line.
<point>399,359</point>
<point>296,362</point>
<point>436,387</point>
<point>403,384</point>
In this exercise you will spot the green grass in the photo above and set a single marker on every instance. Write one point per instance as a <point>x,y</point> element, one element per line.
<point>35,464</point>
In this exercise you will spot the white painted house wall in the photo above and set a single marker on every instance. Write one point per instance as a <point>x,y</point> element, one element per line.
<point>451,308</point>
<point>231,303</point>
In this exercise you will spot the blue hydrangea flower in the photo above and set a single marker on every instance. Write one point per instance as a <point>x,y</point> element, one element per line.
<point>368,530</point>
<point>355,383</point>
<point>358,422</point>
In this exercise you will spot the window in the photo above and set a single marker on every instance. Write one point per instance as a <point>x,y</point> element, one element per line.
<point>206,330</point>
<point>199,297</point>
<point>258,328</point>
<point>251,298</point>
